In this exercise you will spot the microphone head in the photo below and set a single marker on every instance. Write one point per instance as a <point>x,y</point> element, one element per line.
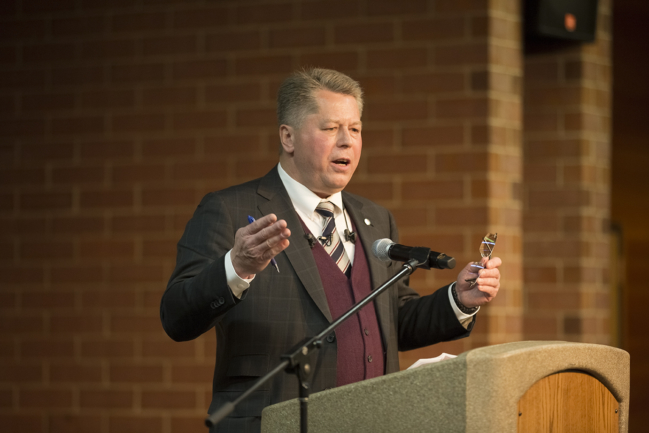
<point>381,249</point>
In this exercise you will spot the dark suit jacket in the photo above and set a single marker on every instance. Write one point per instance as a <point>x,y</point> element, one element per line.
<point>280,309</point>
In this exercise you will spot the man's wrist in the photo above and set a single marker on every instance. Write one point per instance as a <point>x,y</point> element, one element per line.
<point>463,308</point>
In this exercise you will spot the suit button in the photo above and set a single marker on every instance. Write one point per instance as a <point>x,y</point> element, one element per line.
<point>367,331</point>
<point>331,338</point>
<point>213,305</point>
<point>369,358</point>
<point>220,300</point>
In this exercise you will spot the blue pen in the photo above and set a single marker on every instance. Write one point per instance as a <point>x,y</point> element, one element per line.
<point>272,261</point>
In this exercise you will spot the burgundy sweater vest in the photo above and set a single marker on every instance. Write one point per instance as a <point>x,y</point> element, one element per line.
<point>359,344</point>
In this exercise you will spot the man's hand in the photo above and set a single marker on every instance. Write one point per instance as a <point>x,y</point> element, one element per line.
<point>257,243</point>
<point>486,286</point>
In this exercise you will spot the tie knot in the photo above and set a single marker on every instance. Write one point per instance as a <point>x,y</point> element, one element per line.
<point>325,208</point>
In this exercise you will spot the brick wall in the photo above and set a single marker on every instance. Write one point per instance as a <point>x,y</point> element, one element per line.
<point>116,117</point>
<point>567,97</point>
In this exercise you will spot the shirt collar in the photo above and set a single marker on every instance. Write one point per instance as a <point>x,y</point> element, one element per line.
<point>303,198</point>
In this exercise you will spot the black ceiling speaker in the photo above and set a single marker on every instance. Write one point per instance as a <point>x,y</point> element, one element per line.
<point>568,20</point>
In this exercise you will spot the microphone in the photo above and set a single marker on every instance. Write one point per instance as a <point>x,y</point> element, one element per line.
<point>386,250</point>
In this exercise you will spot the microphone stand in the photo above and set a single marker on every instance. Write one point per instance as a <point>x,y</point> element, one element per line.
<point>299,359</point>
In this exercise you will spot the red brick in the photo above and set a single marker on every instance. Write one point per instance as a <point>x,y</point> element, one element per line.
<point>105,399</point>
<point>252,168</point>
<point>7,202</point>
<point>138,223</point>
<point>230,143</point>
<point>461,216</point>
<point>8,55</point>
<point>46,348</point>
<point>434,29</point>
<point>465,54</point>
<point>138,22</point>
<point>433,136</point>
<point>196,69</point>
<point>434,83</point>
<point>166,348</point>
<point>257,117</point>
<point>337,60</point>
<point>134,73</point>
<point>432,190</point>
<point>133,373</point>
<point>169,147</point>
<point>169,45</point>
<point>297,37</point>
<point>7,104</point>
<point>44,6</point>
<point>21,373</point>
<point>75,373</point>
<point>49,300</point>
<point>392,8</point>
<point>396,110</point>
<point>400,58</point>
<point>46,250</point>
<point>200,170</point>
<point>75,324</point>
<point>77,274</point>
<point>22,176</point>
<point>16,423</point>
<point>23,78</point>
<point>209,17</point>
<point>136,273</point>
<point>112,298</point>
<point>140,424</point>
<point>78,175</point>
<point>211,119</point>
<point>398,164</point>
<point>168,197</point>
<point>229,93</point>
<point>78,125</point>
<point>329,9</point>
<point>48,53</point>
<point>108,99</point>
<point>83,26</point>
<point>77,76</point>
<point>106,199</point>
<point>461,5</point>
<point>159,248</point>
<point>47,102</point>
<point>107,149</point>
<point>102,348</point>
<point>22,128</point>
<point>74,423</point>
<point>138,122</point>
<point>264,13</point>
<point>22,29</point>
<point>553,198</point>
<point>263,65</point>
<point>192,373</point>
<point>151,173</point>
<point>233,41</point>
<point>465,107</point>
<point>173,96</point>
<point>168,399</point>
<point>378,138</point>
<point>364,33</point>
<point>372,189</point>
<point>46,200</point>
<point>21,275</point>
<point>78,225</point>
<point>8,301</point>
<point>45,398</point>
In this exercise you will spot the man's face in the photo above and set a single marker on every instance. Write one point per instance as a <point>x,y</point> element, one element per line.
<point>327,146</point>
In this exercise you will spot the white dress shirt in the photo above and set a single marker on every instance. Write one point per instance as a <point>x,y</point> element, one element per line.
<point>305,202</point>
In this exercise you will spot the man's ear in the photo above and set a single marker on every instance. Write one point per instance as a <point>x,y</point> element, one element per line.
<point>287,137</point>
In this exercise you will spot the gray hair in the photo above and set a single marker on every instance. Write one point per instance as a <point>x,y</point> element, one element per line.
<point>296,96</point>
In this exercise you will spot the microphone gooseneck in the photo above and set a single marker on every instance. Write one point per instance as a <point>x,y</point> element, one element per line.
<point>386,250</point>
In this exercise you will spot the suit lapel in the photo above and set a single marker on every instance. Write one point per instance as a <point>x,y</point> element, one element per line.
<point>368,234</point>
<point>298,252</point>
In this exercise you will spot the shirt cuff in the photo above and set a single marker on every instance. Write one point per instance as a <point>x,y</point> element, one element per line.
<point>236,284</point>
<point>459,314</point>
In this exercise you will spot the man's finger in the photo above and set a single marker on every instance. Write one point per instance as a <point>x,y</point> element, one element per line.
<point>267,233</point>
<point>260,224</point>
<point>494,263</point>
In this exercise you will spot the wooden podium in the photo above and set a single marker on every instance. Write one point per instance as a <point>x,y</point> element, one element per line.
<point>530,386</point>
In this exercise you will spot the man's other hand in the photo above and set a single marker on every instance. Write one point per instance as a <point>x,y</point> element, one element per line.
<point>257,243</point>
<point>486,285</point>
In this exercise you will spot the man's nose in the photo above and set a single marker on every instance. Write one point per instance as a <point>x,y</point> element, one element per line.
<point>344,138</point>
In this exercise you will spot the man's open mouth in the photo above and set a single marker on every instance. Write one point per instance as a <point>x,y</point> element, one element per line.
<point>342,161</point>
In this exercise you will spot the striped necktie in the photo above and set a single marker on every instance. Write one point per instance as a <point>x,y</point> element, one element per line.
<point>330,238</point>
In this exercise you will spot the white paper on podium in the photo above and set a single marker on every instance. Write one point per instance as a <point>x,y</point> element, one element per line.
<point>439,358</point>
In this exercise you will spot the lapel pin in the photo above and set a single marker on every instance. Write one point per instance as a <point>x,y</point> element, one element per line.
<point>367,222</point>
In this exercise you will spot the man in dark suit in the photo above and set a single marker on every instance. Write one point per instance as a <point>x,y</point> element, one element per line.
<point>223,278</point>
